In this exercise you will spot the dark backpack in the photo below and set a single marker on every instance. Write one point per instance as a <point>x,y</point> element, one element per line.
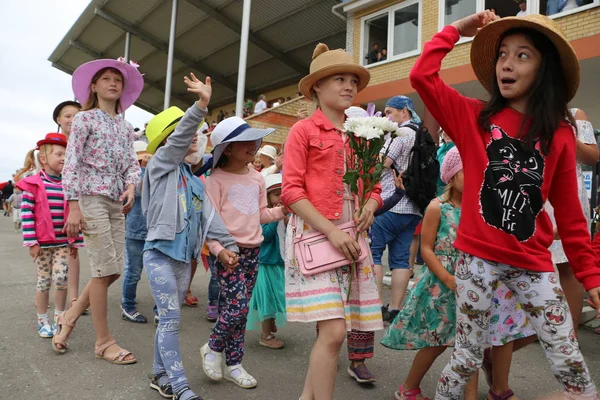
<point>421,176</point>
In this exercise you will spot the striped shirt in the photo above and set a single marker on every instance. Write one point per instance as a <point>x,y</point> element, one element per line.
<point>56,201</point>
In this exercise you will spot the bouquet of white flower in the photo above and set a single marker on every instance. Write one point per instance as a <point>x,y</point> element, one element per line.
<point>367,136</point>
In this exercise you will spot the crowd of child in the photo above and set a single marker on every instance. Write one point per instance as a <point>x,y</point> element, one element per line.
<point>490,284</point>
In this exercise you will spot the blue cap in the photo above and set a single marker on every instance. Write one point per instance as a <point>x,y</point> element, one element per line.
<point>402,102</point>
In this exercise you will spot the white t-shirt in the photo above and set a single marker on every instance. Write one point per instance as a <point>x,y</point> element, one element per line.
<point>269,170</point>
<point>260,106</point>
<point>521,13</point>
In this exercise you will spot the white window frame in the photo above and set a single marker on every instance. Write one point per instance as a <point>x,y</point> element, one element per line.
<point>390,35</point>
<point>535,5</point>
<point>479,6</point>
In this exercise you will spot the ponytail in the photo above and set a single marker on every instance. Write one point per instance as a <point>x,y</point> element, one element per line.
<point>30,165</point>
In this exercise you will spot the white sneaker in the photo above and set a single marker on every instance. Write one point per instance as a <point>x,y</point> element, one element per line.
<point>45,330</point>
<point>211,363</point>
<point>238,375</point>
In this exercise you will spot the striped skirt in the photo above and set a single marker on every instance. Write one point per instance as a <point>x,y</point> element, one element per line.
<point>324,296</point>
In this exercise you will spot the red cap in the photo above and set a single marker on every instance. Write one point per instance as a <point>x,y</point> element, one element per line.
<point>53,138</point>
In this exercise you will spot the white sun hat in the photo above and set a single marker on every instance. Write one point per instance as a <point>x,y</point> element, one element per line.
<point>269,151</point>
<point>234,129</point>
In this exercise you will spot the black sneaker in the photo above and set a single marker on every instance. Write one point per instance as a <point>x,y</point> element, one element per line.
<point>133,317</point>
<point>392,315</point>
<point>385,314</point>
<point>165,390</point>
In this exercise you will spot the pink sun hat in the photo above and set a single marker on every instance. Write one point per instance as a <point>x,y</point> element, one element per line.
<point>132,86</point>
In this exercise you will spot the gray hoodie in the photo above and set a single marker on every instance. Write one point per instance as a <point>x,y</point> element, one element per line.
<point>159,189</point>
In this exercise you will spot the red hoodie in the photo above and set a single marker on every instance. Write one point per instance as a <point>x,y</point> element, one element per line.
<point>506,185</point>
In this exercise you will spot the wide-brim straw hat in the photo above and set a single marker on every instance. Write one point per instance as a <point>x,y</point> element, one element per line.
<point>161,126</point>
<point>133,81</point>
<point>485,48</point>
<point>327,62</point>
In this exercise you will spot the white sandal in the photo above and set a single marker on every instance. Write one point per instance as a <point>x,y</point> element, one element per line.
<point>212,369</point>
<point>243,378</point>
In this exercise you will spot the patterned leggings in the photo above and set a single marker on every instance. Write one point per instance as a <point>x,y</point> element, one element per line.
<point>541,298</point>
<point>52,267</point>
<point>361,345</point>
<point>169,280</point>
<point>228,333</point>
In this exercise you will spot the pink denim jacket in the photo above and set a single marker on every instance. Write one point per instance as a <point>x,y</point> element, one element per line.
<point>314,166</point>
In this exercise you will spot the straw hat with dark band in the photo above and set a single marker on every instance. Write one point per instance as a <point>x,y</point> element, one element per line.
<point>485,47</point>
<point>327,62</point>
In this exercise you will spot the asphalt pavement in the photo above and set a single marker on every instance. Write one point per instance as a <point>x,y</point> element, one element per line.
<point>29,369</point>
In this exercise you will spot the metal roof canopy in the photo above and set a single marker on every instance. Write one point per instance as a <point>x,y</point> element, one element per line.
<point>282,37</point>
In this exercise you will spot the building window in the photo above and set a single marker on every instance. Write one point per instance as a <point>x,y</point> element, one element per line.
<point>376,35</point>
<point>392,33</point>
<point>564,7</point>
<point>453,10</point>
<point>406,29</point>
<point>504,8</point>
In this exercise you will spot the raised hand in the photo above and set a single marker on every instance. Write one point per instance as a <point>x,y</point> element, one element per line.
<point>469,26</point>
<point>203,90</point>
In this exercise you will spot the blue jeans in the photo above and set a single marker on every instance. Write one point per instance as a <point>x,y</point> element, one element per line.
<point>396,231</point>
<point>213,284</point>
<point>133,272</point>
<point>169,280</point>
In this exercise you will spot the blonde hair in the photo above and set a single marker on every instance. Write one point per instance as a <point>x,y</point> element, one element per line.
<point>269,204</point>
<point>92,101</point>
<point>31,158</point>
<point>447,195</point>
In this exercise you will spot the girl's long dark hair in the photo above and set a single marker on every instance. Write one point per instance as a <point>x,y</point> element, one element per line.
<point>547,106</point>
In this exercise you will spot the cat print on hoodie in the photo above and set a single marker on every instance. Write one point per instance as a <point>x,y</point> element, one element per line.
<point>511,194</point>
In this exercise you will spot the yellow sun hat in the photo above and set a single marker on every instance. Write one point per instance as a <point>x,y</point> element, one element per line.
<point>161,126</point>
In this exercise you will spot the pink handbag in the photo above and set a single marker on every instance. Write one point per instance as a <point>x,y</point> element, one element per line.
<point>314,253</point>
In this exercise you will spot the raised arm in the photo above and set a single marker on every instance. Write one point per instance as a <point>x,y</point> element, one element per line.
<point>448,107</point>
<point>169,156</point>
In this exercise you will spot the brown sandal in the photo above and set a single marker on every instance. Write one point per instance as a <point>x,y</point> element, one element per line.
<point>271,342</point>
<point>119,359</point>
<point>73,300</point>
<point>61,321</point>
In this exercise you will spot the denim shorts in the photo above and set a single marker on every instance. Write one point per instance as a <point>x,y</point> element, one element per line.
<point>395,231</point>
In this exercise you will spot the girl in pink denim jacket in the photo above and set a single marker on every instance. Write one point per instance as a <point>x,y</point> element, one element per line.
<point>313,188</point>
<point>44,212</point>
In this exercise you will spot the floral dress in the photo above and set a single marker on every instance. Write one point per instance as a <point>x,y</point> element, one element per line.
<point>428,317</point>
<point>429,314</point>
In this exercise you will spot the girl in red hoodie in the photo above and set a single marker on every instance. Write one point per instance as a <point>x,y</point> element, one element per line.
<point>518,150</point>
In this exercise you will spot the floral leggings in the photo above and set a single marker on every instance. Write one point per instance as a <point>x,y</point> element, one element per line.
<point>169,280</point>
<point>544,302</point>
<point>52,267</point>
<point>228,333</point>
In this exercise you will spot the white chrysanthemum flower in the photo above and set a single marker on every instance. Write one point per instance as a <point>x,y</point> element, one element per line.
<point>353,124</point>
<point>388,125</point>
<point>368,132</point>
